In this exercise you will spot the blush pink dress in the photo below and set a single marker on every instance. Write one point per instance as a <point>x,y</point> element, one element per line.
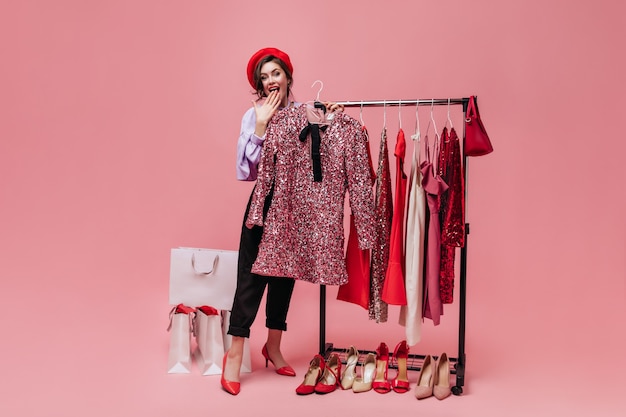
<point>434,186</point>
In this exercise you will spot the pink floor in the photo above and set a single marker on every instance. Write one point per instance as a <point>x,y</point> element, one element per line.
<point>91,359</point>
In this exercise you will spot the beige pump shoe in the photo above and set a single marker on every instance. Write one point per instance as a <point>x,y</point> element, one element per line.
<point>441,384</point>
<point>425,379</point>
<point>363,383</point>
<point>349,373</point>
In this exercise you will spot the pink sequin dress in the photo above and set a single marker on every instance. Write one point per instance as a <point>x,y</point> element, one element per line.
<point>303,235</point>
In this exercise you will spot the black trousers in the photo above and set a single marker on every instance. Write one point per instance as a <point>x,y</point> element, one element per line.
<point>250,287</point>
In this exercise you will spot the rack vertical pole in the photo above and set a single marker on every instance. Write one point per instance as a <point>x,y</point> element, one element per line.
<point>460,364</point>
<point>322,338</point>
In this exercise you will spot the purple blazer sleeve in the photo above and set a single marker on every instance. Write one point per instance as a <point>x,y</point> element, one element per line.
<point>249,148</point>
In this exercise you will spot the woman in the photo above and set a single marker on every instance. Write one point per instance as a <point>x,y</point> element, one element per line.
<point>270,74</point>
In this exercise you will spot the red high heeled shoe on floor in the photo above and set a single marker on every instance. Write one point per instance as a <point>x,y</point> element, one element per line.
<point>380,384</point>
<point>312,377</point>
<point>400,383</point>
<point>330,378</point>
<point>230,387</point>
<point>285,370</point>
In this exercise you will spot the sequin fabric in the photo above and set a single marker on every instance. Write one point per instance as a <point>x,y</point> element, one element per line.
<point>380,252</point>
<point>453,202</point>
<point>452,212</point>
<point>303,235</point>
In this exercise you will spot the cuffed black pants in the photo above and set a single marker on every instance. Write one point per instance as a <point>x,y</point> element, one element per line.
<point>250,287</point>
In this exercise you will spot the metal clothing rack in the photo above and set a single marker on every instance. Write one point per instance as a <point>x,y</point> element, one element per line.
<point>415,361</point>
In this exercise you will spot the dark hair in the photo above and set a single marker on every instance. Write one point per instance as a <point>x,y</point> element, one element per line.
<point>257,74</point>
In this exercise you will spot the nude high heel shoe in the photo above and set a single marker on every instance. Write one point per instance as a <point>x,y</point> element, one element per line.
<point>425,379</point>
<point>441,387</point>
<point>349,373</point>
<point>363,383</point>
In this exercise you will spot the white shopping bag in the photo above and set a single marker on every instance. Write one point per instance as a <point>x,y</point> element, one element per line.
<point>209,340</point>
<point>200,277</point>
<point>179,357</point>
<point>246,364</point>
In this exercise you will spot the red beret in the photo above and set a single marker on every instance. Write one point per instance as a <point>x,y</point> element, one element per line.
<point>262,53</point>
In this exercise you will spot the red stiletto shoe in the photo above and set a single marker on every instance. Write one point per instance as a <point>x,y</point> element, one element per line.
<point>230,387</point>
<point>380,384</point>
<point>312,377</point>
<point>400,383</point>
<point>330,378</point>
<point>285,370</point>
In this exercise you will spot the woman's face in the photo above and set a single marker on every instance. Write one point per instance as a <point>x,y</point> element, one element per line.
<point>274,78</point>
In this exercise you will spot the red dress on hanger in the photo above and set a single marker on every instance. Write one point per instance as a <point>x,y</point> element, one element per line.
<point>452,211</point>
<point>394,290</point>
<point>357,289</point>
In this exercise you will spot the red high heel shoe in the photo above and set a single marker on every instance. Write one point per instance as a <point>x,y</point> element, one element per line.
<point>380,384</point>
<point>330,378</point>
<point>312,377</point>
<point>285,370</point>
<point>400,383</point>
<point>230,387</point>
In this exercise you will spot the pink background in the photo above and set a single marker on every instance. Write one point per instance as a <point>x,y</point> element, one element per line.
<point>118,123</point>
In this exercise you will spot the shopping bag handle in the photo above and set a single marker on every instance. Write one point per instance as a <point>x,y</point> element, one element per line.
<point>193,265</point>
<point>181,309</point>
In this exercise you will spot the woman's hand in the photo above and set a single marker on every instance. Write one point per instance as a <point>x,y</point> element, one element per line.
<point>333,107</point>
<point>265,111</point>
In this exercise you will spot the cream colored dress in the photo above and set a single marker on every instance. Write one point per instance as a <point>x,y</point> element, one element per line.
<point>411,313</point>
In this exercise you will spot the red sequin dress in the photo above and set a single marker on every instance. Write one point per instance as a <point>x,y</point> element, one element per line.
<point>452,211</point>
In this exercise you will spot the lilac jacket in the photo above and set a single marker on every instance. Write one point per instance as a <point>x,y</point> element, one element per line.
<point>249,147</point>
